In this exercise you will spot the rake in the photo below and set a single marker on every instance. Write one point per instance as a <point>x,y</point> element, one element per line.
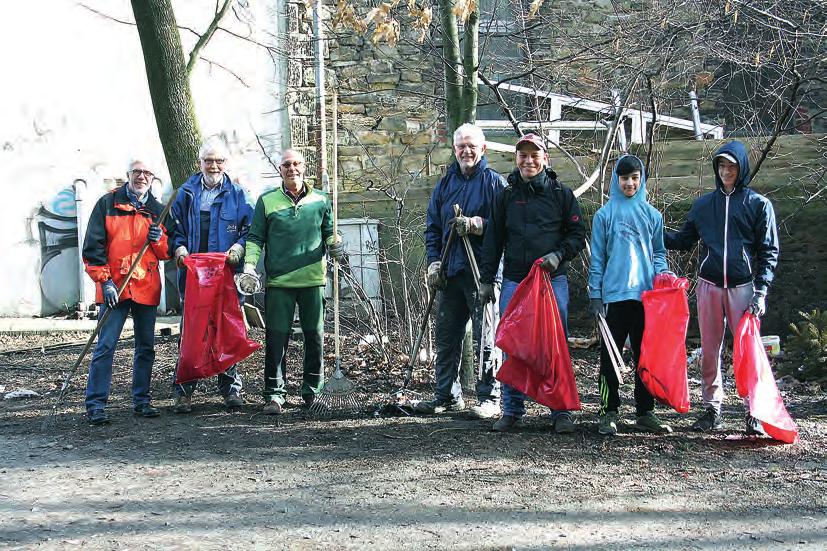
<point>338,396</point>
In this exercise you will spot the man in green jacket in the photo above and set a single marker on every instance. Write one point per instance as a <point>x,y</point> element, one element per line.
<point>293,224</point>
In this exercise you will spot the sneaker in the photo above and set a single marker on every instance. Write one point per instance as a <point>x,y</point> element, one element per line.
<point>146,410</point>
<point>98,417</point>
<point>507,423</point>
<point>710,420</point>
<point>649,422</point>
<point>608,424</point>
<point>272,408</point>
<point>485,410</point>
<point>233,401</point>
<point>563,423</point>
<point>183,404</point>
<point>439,406</point>
<point>754,426</point>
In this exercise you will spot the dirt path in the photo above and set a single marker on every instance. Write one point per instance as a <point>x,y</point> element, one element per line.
<point>218,480</point>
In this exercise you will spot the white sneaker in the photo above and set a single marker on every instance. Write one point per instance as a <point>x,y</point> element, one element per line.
<point>485,410</point>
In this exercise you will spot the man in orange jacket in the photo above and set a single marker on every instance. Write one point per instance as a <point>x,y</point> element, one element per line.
<point>121,222</point>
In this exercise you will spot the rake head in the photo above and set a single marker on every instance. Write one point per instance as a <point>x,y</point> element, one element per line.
<point>338,397</point>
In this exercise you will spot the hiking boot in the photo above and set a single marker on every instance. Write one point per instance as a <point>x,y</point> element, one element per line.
<point>484,410</point>
<point>563,423</point>
<point>649,422</point>
<point>507,423</point>
<point>608,424</point>
<point>233,401</point>
<point>98,417</point>
<point>146,410</point>
<point>272,408</point>
<point>183,404</point>
<point>710,420</point>
<point>439,406</point>
<point>753,426</point>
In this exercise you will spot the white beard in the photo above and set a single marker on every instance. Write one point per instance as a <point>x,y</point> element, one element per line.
<point>212,180</point>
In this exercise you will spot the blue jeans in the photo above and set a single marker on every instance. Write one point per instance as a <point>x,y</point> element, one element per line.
<point>100,368</point>
<point>513,400</point>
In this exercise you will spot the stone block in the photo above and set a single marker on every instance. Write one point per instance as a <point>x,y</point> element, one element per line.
<point>380,66</point>
<point>351,108</point>
<point>394,124</point>
<point>420,138</point>
<point>369,137</point>
<point>411,76</point>
<point>382,86</point>
<point>383,78</point>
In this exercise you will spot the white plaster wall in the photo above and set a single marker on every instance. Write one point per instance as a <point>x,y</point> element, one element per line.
<point>74,103</point>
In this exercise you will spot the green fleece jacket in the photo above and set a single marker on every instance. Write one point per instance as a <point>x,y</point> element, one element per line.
<point>293,238</point>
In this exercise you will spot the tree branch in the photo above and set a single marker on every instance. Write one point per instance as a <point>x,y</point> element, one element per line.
<point>205,38</point>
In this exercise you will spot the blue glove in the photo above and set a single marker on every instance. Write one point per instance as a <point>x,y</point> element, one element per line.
<point>110,293</point>
<point>154,234</point>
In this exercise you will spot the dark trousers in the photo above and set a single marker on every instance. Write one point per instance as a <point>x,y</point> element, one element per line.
<point>625,319</point>
<point>457,303</point>
<point>100,368</point>
<point>279,306</point>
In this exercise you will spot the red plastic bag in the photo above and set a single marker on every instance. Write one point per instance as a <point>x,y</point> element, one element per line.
<point>755,381</point>
<point>662,362</point>
<point>531,334</point>
<point>213,336</point>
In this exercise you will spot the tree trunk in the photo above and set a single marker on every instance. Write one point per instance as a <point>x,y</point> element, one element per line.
<point>169,86</point>
<point>470,64</point>
<point>452,63</point>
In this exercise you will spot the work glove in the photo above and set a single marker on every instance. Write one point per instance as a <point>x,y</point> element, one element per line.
<point>180,254</point>
<point>486,293</point>
<point>154,234</point>
<point>434,278</point>
<point>336,249</point>
<point>234,255</point>
<point>468,225</point>
<point>595,307</point>
<point>110,293</point>
<point>248,282</point>
<point>758,304</point>
<point>550,262</point>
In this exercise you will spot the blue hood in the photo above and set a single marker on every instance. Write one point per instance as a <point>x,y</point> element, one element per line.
<point>739,151</point>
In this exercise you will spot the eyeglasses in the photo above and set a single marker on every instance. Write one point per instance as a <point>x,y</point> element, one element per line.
<point>288,164</point>
<point>136,172</point>
<point>211,160</point>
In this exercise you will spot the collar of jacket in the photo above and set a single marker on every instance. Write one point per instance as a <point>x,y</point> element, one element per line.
<point>537,185</point>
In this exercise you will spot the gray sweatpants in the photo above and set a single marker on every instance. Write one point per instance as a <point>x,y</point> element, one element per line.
<point>717,305</point>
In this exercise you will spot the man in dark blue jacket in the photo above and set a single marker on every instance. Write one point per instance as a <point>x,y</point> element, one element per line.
<point>210,214</point>
<point>535,217</point>
<point>472,185</point>
<point>738,257</point>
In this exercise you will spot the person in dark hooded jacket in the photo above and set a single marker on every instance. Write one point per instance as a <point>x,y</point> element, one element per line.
<point>738,257</point>
<point>472,185</point>
<point>534,218</point>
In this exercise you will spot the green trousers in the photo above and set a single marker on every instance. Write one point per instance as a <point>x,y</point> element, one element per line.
<point>279,306</point>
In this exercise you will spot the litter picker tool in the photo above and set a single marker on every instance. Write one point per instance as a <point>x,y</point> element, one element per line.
<point>65,386</point>
<point>614,354</point>
<point>338,394</point>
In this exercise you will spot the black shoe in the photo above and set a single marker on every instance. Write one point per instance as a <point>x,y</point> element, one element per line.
<point>439,406</point>
<point>98,417</point>
<point>754,426</point>
<point>507,423</point>
<point>146,410</point>
<point>710,420</point>
<point>233,401</point>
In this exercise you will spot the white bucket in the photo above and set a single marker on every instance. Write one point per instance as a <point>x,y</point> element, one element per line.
<point>772,344</point>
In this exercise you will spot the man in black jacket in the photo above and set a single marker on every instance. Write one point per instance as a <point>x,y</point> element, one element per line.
<point>738,256</point>
<point>534,217</point>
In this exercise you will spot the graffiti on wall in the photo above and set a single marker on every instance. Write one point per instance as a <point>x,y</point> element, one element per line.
<point>57,229</point>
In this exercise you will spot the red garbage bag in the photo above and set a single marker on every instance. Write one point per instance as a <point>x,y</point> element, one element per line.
<point>531,334</point>
<point>662,362</point>
<point>213,336</point>
<point>755,381</point>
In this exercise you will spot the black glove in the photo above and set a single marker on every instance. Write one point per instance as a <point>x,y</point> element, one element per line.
<point>550,262</point>
<point>154,234</point>
<point>758,304</point>
<point>595,307</point>
<point>486,293</point>
<point>110,293</point>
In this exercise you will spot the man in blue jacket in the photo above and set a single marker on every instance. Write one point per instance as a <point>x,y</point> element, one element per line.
<point>210,214</point>
<point>738,257</point>
<point>472,185</point>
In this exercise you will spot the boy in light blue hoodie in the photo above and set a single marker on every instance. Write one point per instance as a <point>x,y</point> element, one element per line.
<point>627,252</point>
